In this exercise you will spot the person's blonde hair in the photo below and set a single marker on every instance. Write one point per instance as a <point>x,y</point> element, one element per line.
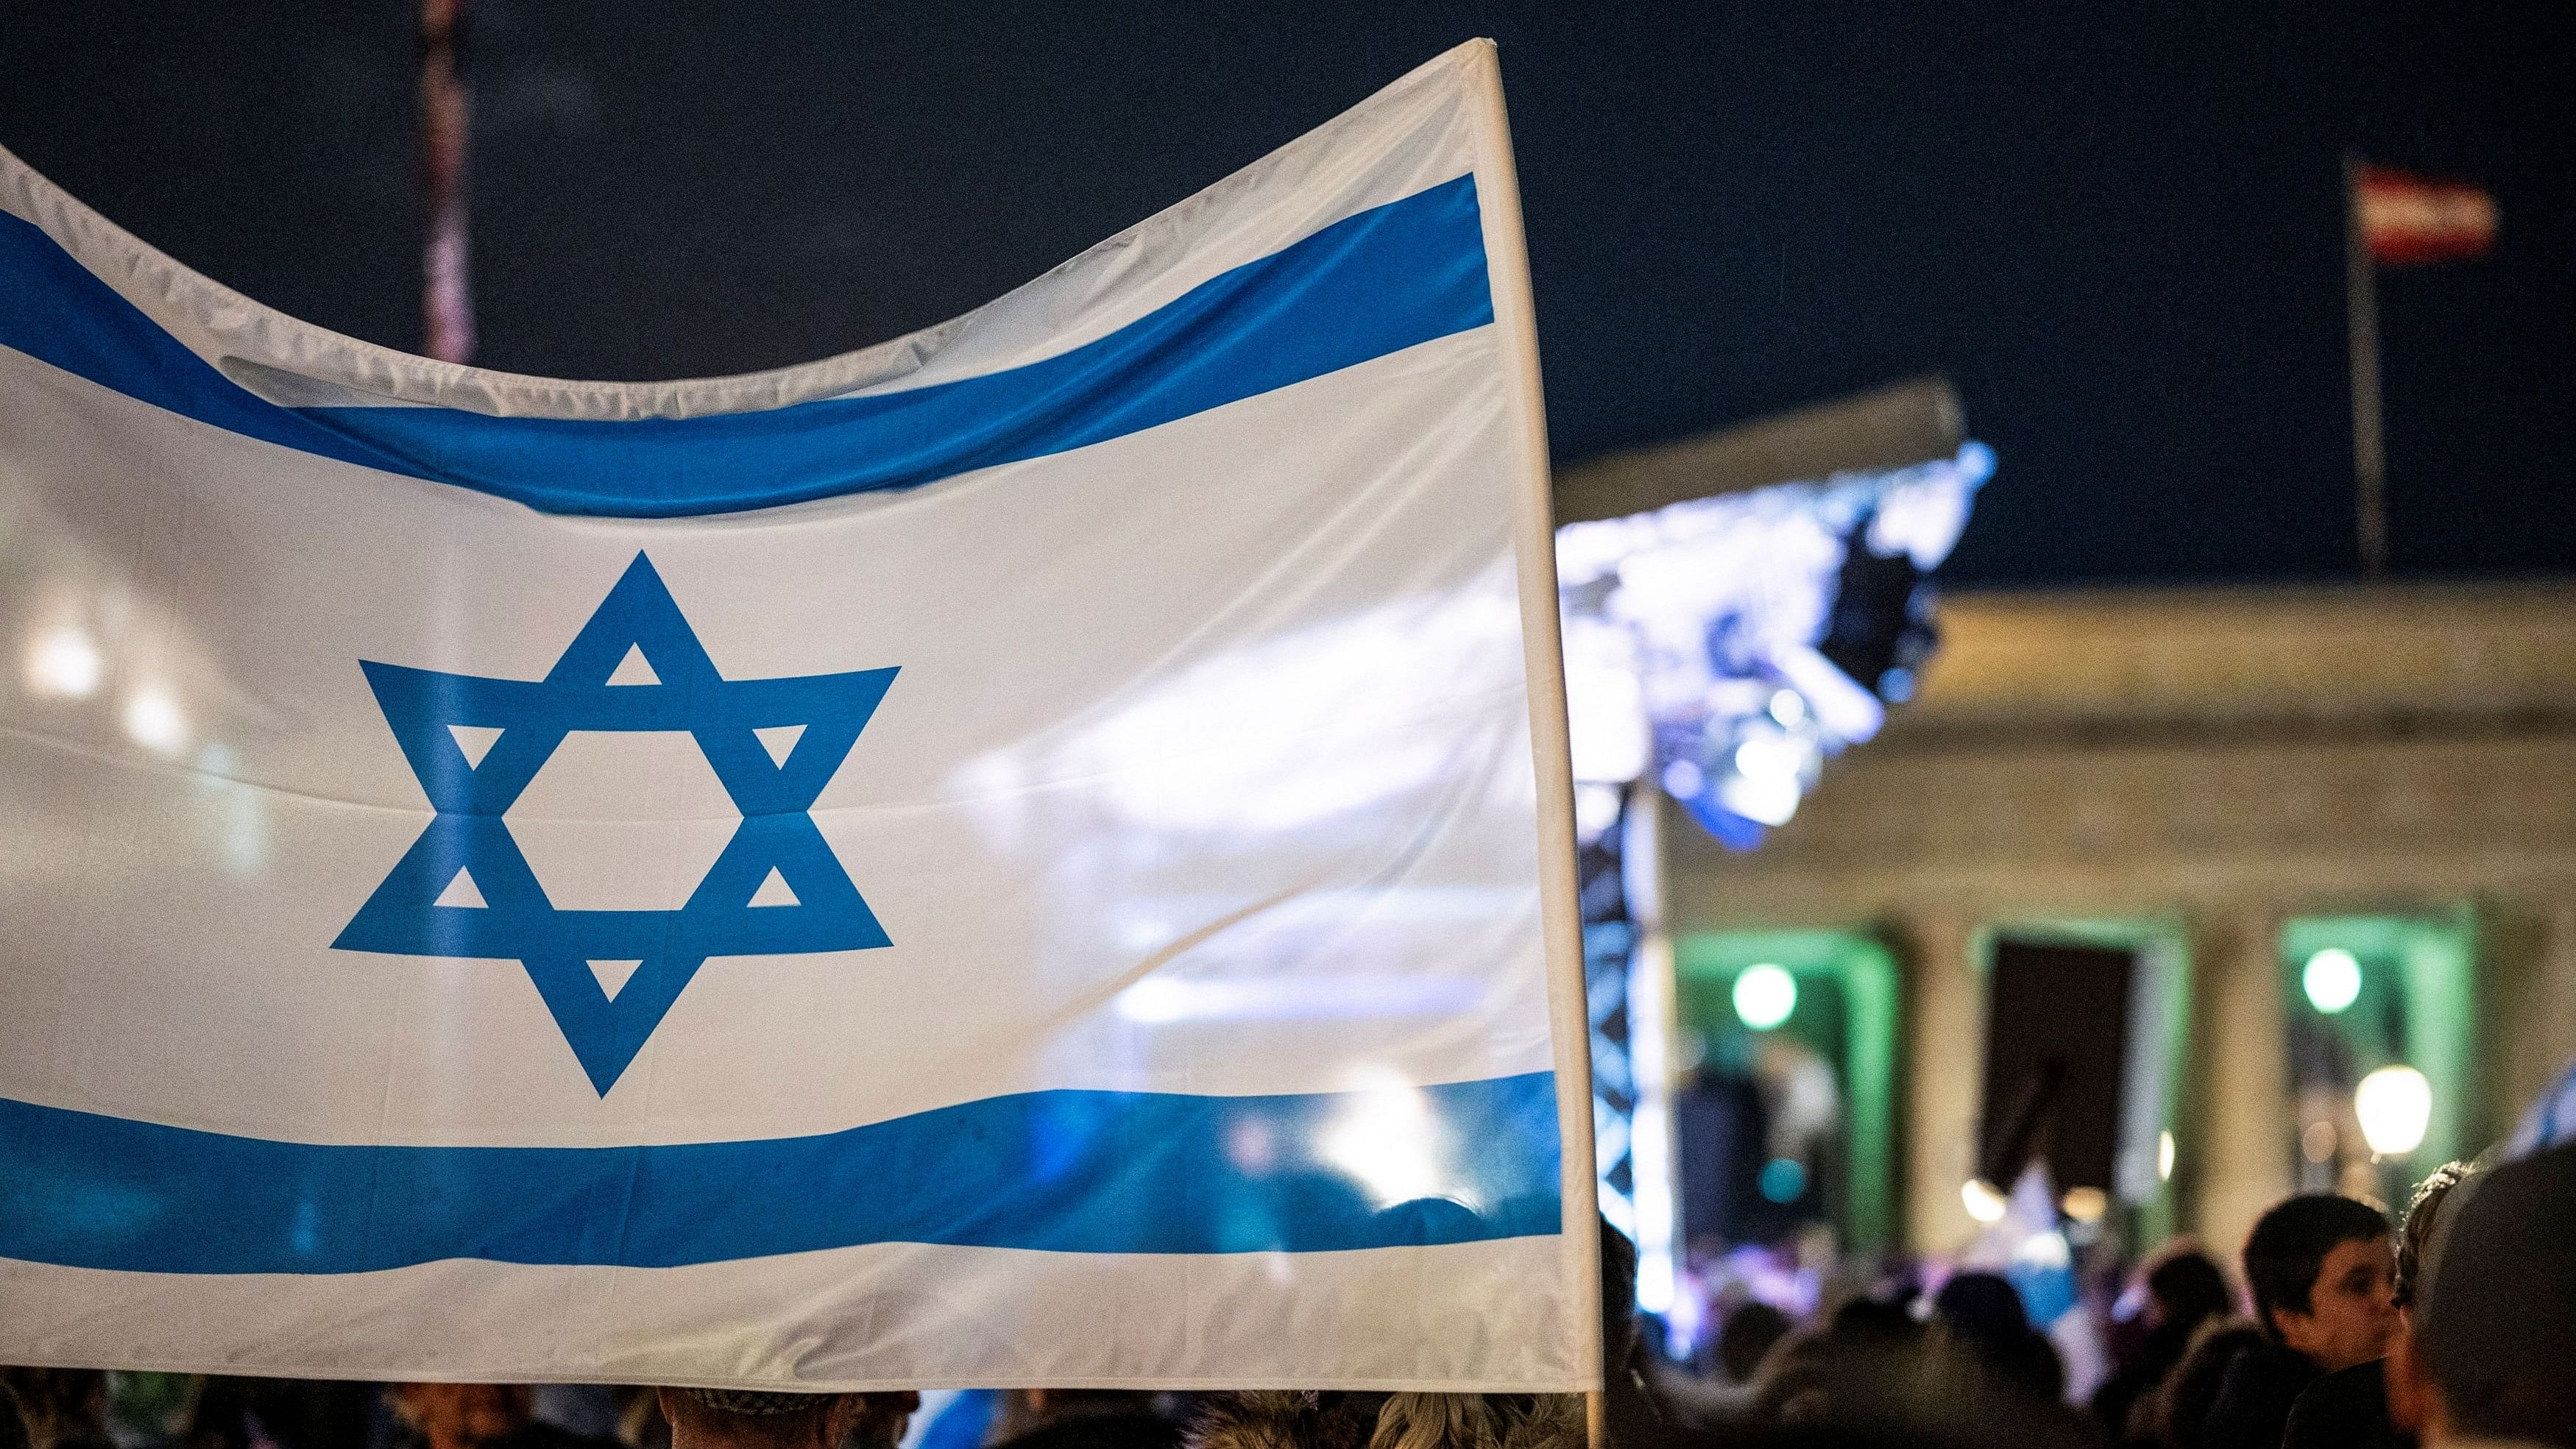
<point>1479,1421</point>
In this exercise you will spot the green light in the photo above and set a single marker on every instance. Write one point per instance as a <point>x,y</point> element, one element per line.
<point>2332,980</point>
<point>1783,1179</point>
<point>1854,981</point>
<point>1764,996</point>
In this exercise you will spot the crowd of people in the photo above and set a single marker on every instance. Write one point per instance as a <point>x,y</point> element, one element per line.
<point>2456,1327</point>
<point>2453,1330</point>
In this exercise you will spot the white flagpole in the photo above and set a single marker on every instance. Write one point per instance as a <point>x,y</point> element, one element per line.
<point>2369,448</point>
<point>1534,537</point>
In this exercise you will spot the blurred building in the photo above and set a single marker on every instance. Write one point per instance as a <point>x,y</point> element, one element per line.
<point>2316,830</point>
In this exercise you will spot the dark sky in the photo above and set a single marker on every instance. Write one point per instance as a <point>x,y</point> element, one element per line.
<point>2117,227</point>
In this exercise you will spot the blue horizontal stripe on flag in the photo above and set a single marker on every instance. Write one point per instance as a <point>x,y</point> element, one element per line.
<point>1385,279</point>
<point>1061,1171</point>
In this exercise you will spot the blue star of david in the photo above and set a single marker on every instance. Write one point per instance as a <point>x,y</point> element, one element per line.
<point>516,920</point>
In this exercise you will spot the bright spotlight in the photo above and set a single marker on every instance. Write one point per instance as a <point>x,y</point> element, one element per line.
<point>153,719</point>
<point>1983,1200</point>
<point>1764,996</point>
<point>1788,708</point>
<point>2332,979</point>
<point>2395,1105</point>
<point>1770,757</point>
<point>2164,1157</point>
<point>2085,1204</point>
<point>64,664</point>
<point>1764,799</point>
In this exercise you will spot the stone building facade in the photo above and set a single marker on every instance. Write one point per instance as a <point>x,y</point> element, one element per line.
<point>2221,761</point>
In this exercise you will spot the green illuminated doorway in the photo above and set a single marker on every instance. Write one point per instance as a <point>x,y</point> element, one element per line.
<point>1842,1011</point>
<point>2155,1151</point>
<point>2371,991</point>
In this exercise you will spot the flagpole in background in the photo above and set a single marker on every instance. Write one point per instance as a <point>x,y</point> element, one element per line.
<point>446,298</point>
<point>2393,218</point>
<point>2361,309</point>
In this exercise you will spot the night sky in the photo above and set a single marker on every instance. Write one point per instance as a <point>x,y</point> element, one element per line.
<point>2121,234</point>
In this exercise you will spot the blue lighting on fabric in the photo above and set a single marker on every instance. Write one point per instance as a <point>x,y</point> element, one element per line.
<point>1386,279</point>
<point>1058,1171</point>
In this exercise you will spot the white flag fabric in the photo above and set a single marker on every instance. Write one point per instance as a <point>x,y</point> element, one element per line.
<point>1035,854</point>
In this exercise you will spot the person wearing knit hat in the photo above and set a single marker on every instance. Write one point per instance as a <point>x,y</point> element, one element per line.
<point>753,1419</point>
<point>2493,1358</point>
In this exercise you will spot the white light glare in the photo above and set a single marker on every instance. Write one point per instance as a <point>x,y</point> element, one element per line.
<point>1787,708</point>
<point>2049,1252</point>
<point>1596,809</point>
<point>153,719</point>
<point>2164,1156</point>
<point>1655,1192</point>
<point>2332,980</point>
<point>1762,799</point>
<point>1770,757</point>
<point>1983,1201</point>
<point>64,664</point>
<point>1607,730</point>
<point>1388,1139</point>
<point>1655,1289</point>
<point>2395,1105</point>
<point>1648,1161</point>
<point>1764,996</point>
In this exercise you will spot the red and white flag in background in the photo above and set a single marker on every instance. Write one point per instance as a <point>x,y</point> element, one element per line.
<point>2407,219</point>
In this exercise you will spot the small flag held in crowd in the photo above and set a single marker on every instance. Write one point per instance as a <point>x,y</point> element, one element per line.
<point>2408,219</point>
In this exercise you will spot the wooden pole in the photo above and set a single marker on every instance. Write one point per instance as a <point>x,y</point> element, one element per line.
<point>447,299</point>
<point>2369,448</point>
<point>1534,545</point>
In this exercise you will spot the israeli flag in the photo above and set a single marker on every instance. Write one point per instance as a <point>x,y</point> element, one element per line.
<point>1035,854</point>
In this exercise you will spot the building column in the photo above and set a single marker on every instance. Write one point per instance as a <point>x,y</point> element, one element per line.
<point>1944,1072</point>
<point>2234,1155</point>
<point>2527,1025</point>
